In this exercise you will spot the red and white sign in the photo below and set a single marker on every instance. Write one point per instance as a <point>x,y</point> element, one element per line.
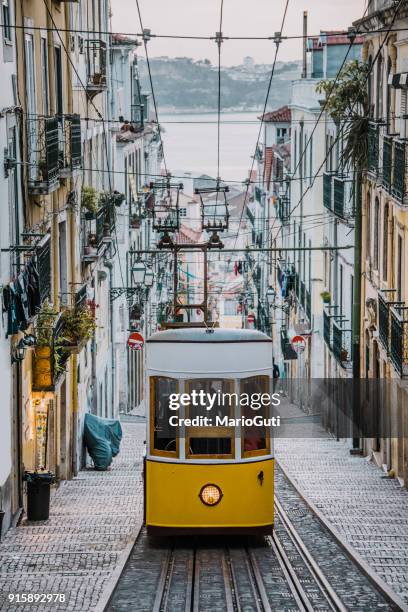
<point>251,317</point>
<point>298,344</point>
<point>135,341</point>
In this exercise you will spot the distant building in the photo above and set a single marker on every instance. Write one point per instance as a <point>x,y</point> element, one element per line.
<point>248,62</point>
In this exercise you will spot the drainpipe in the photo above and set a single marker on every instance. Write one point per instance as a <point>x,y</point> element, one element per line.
<point>304,69</point>
<point>108,264</point>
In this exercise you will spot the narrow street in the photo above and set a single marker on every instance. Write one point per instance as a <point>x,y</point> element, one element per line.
<point>96,518</point>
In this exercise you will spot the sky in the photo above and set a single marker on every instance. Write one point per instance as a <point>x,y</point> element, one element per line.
<point>240,18</point>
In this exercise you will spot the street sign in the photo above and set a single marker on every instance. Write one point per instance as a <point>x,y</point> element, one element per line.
<point>251,317</point>
<point>298,344</point>
<point>135,341</point>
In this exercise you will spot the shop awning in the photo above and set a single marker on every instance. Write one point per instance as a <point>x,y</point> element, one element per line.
<point>398,81</point>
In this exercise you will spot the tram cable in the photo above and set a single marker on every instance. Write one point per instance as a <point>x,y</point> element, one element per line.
<point>278,40</point>
<point>146,37</point>
<point>341,131</point>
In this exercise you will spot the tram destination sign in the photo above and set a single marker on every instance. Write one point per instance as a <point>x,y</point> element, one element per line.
<point>135,341</point>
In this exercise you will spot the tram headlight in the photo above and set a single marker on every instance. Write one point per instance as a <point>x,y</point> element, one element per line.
<point>210,494</point>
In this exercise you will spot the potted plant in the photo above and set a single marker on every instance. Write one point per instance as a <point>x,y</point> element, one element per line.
<point>135,221</point>
<point>89,201</point>
<point>78,325</point>
<point>326,297</point>
<point>47,362</point>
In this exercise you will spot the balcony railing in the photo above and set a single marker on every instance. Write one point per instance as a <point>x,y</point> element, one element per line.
<point>387,162</point>
<point>96,66</point>
<point>400,170</point>
<point>70,152</point>
<point>394,178</point>
<point>373,148</point>
<point>399,339</point>
<point>327,329</point>
<point>43,252</point>
<point>337,197</point>
<point>97,231</point>
<point>42,155</point>
<point>341,339</point>
<point>327,190</point>
<point>308,305</point>
<point>284,210</point>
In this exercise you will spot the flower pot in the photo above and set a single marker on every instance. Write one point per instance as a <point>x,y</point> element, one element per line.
<point>42,368</point>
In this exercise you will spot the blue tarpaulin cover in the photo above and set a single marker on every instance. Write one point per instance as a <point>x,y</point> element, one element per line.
<point>102,439</point>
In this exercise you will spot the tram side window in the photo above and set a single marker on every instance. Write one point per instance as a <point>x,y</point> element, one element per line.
<point>163,436</point>
<point>255,439</point>
<point>216,440</point>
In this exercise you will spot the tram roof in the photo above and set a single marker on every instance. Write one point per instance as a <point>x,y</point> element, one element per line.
<point>216,335</point>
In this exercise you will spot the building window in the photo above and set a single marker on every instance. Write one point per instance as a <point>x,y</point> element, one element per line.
<point>376,232</point>
<point>58,81</point>
<point>385,242</point>
<point>6,21</point>
<point>44,76</point>
<point>379,90</point>
<point>183,212</point>
<point>400,275</point>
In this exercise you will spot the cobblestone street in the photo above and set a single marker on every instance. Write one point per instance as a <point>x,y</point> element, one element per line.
<point>369,510</point>
<point>93,519</point>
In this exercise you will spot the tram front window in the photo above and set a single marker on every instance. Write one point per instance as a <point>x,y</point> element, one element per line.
<point>163,435</point>
<point>255,439</point>
<point>214,440</point>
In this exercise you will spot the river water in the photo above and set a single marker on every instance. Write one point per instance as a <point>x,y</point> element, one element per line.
<point>190,143</point>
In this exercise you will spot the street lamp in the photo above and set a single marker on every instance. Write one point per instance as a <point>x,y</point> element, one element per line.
<point>149,277</point>
<point>139,272</point>
<point>270,296</point>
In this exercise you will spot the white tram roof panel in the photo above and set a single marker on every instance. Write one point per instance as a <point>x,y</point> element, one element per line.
<point>216,335</point>
<point>186,352</point>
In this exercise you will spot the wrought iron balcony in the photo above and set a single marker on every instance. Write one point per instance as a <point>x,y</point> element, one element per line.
<point>341,343</point>
<point>387,162</point>
<point>327,190</point>
<point>399,186</point>
<point>42,155</point>
<point>337,196</point>
<point>308,305</point>
<point>394,178</point>
<point>284,210</point>
<point>70,151</point>
<point>373,148</point>
<point>97,230</point>
<point>327,328</point>
<point>385,302</point>
<point>96,66</point>
<point>43,253</point>
<point>399,339</point>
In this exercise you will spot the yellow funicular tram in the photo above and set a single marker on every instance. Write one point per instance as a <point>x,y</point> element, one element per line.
<point>208,478</point>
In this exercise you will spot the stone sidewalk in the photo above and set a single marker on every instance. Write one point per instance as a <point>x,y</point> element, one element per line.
<point>369,510</point>
<point>93,519</point>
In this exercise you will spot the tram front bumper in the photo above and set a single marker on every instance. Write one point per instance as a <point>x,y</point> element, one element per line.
<point>244,503</point>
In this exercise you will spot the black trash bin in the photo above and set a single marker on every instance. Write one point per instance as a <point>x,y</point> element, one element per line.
<point>38,495</point>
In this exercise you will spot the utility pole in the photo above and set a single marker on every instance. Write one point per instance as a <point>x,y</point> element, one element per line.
<point>357,311</point>
<point>304,68</point>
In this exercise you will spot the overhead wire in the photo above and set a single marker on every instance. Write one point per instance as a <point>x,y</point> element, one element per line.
<point>145,40</point>
<point>277,42</point>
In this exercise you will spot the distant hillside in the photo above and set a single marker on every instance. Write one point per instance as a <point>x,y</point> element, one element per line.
<point>182,84</point>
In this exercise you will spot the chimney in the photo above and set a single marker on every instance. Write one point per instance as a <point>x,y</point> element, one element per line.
<point>304,70</point>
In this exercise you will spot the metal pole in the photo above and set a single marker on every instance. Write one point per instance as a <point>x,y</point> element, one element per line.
<point>357,311</point>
